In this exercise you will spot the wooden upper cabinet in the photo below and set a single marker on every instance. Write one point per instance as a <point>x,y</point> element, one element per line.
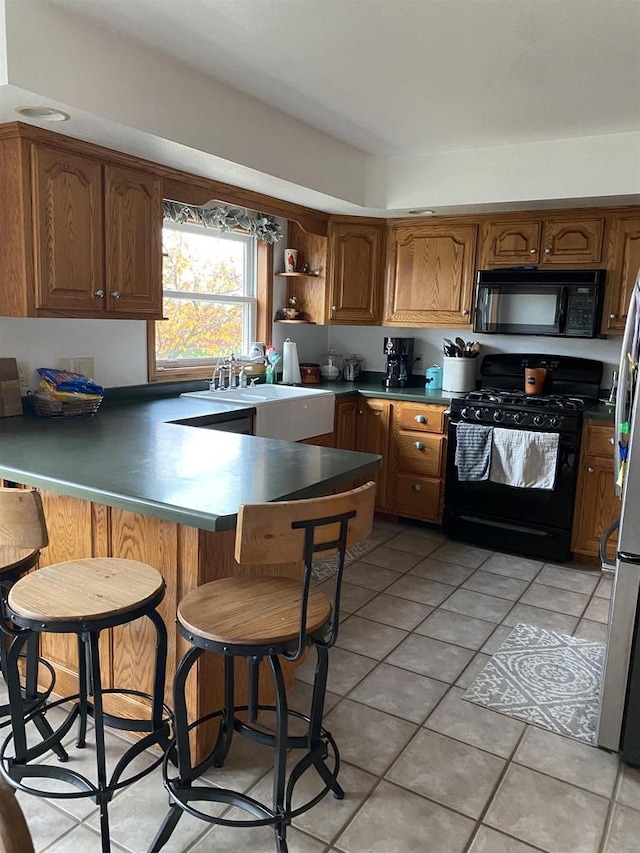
<point>133,206</point>
<point>354,272</point>
<point>67,231</point>
<point>83,229</point>
<point>623,265</point>
<point>430,271</point>
<point>561,240</point>
<point>511,243</point>
<point>573,242</point>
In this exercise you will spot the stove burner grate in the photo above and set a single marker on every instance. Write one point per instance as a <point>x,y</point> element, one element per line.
<point>556,402</point>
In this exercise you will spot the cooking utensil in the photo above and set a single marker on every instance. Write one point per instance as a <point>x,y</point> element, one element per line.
<point>461,345</point>
<point>450,349</point>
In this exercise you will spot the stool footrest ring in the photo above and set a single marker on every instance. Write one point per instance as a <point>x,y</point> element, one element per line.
<point>182,792</point>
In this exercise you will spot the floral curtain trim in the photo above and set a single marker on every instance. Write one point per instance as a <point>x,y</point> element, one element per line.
<point>264,227</point>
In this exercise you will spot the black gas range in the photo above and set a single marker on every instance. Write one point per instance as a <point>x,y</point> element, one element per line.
<point>530,521</point>
<point>561,412</point>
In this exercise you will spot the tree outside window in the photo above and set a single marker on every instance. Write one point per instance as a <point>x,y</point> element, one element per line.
<point>209,286</point>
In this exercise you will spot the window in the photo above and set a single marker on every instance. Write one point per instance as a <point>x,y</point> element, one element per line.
<point>210,298</point>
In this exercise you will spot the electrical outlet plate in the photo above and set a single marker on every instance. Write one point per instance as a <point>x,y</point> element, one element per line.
<point>24,373</point>
<point>84,364</point>
<point>418,362</point>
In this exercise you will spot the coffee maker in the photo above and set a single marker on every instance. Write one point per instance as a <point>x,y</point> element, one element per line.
<point>399,353</point>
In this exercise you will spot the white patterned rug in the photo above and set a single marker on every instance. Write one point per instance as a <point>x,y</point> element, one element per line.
<point>545,679</point>
<point>326,567</point>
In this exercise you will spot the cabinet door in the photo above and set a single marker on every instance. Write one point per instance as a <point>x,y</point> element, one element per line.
<point>133,204</point>
<point>354,273</point>
<point>623,266</point>
<point>346,424</point>
<point>573,242</point>
<point>68,231</point>
<point>596,506</point>
<point>373,437</point>
<point>430,275</point>
<point>511,243</point>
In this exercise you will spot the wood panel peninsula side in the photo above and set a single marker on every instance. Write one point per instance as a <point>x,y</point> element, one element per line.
<point>133,483</point>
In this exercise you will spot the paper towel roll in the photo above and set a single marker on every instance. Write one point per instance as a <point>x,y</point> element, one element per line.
<point>290,363</point>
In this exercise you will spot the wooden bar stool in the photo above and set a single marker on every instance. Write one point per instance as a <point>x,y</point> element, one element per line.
<point>268,618</point>
<point>84,597</point>
<point>23,533</point>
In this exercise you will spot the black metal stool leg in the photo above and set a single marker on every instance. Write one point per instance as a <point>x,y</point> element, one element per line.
<point>91,640</point>
<point>182,747</point>
<point>225,735</point>
<point>31,695</point>
<point>83,662</point>
<point>317,712</point>
<point>16,698</point>
<point>280,754</point>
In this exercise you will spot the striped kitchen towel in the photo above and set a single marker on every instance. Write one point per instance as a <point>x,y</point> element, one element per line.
<point>473,451</point>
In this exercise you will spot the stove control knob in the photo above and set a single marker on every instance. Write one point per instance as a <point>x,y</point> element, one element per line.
<point>518,418</point>
<point>498,415</point>
<point>464,413</point>
<point>554,421</point>
<point>538,420</point>
<point>478,414</point>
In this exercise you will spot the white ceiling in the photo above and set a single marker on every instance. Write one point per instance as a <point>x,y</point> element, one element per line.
<point>348,106</point>
<point>397,77</point>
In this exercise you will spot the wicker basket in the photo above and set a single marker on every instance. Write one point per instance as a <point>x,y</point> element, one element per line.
<point>49,407</point>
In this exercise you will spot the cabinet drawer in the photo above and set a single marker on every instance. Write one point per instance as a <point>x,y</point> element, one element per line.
<point>598,439</point>
<point>419,454</point>
<point>417,497</point>
<point>421,418</point>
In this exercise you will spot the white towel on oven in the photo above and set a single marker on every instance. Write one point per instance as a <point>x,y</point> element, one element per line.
<point>524,459</point>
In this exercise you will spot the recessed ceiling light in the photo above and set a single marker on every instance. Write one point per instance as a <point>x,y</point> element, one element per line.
<point>43,113</point>
<point>421,211</point>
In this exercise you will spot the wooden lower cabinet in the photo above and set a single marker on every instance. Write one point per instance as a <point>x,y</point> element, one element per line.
<point>186,557</point>
<point>372,436</point>
<point>417,461</point>
<point>596,504</point>
<point>344,426</point>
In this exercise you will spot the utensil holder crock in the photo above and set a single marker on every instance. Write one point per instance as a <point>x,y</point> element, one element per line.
<point>458,374</point>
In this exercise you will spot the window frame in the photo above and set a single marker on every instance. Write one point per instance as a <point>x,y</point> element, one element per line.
<point>263,301</point>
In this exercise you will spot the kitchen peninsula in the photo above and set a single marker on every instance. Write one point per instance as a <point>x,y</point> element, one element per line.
<point>131,482</point>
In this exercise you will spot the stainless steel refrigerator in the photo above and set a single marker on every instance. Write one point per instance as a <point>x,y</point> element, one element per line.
<point>619,719</point>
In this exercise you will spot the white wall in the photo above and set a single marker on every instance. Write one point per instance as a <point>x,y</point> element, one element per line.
<point>119,347</point>
<point>116,79</point>
<point>368,343</point>
<point>585,168</point>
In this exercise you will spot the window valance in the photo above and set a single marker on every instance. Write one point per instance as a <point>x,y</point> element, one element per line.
<point>224,218</point>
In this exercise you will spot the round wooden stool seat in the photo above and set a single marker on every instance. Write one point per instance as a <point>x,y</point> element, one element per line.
<point>83,590</point>
<point>251,610</point>
<point>17,559</point>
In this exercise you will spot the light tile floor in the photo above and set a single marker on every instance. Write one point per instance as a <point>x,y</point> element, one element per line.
<point>424,771</point>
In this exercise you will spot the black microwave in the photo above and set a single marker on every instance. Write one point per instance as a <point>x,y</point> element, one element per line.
<point>563,303</point>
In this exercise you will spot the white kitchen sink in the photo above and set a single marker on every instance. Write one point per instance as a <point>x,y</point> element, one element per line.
<point>282,411</point>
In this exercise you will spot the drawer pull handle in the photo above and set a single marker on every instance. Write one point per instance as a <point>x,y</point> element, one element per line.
<point>115,294</point>
<point>99,294</point>
<point>418,445</point>
<point>420,419</point>
<point>416,487</point>
<point>589,470</point>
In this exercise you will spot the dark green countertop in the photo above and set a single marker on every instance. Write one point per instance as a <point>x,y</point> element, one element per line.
<point>375,389</point>
<point>601,412</point>
<point>131,456</point>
